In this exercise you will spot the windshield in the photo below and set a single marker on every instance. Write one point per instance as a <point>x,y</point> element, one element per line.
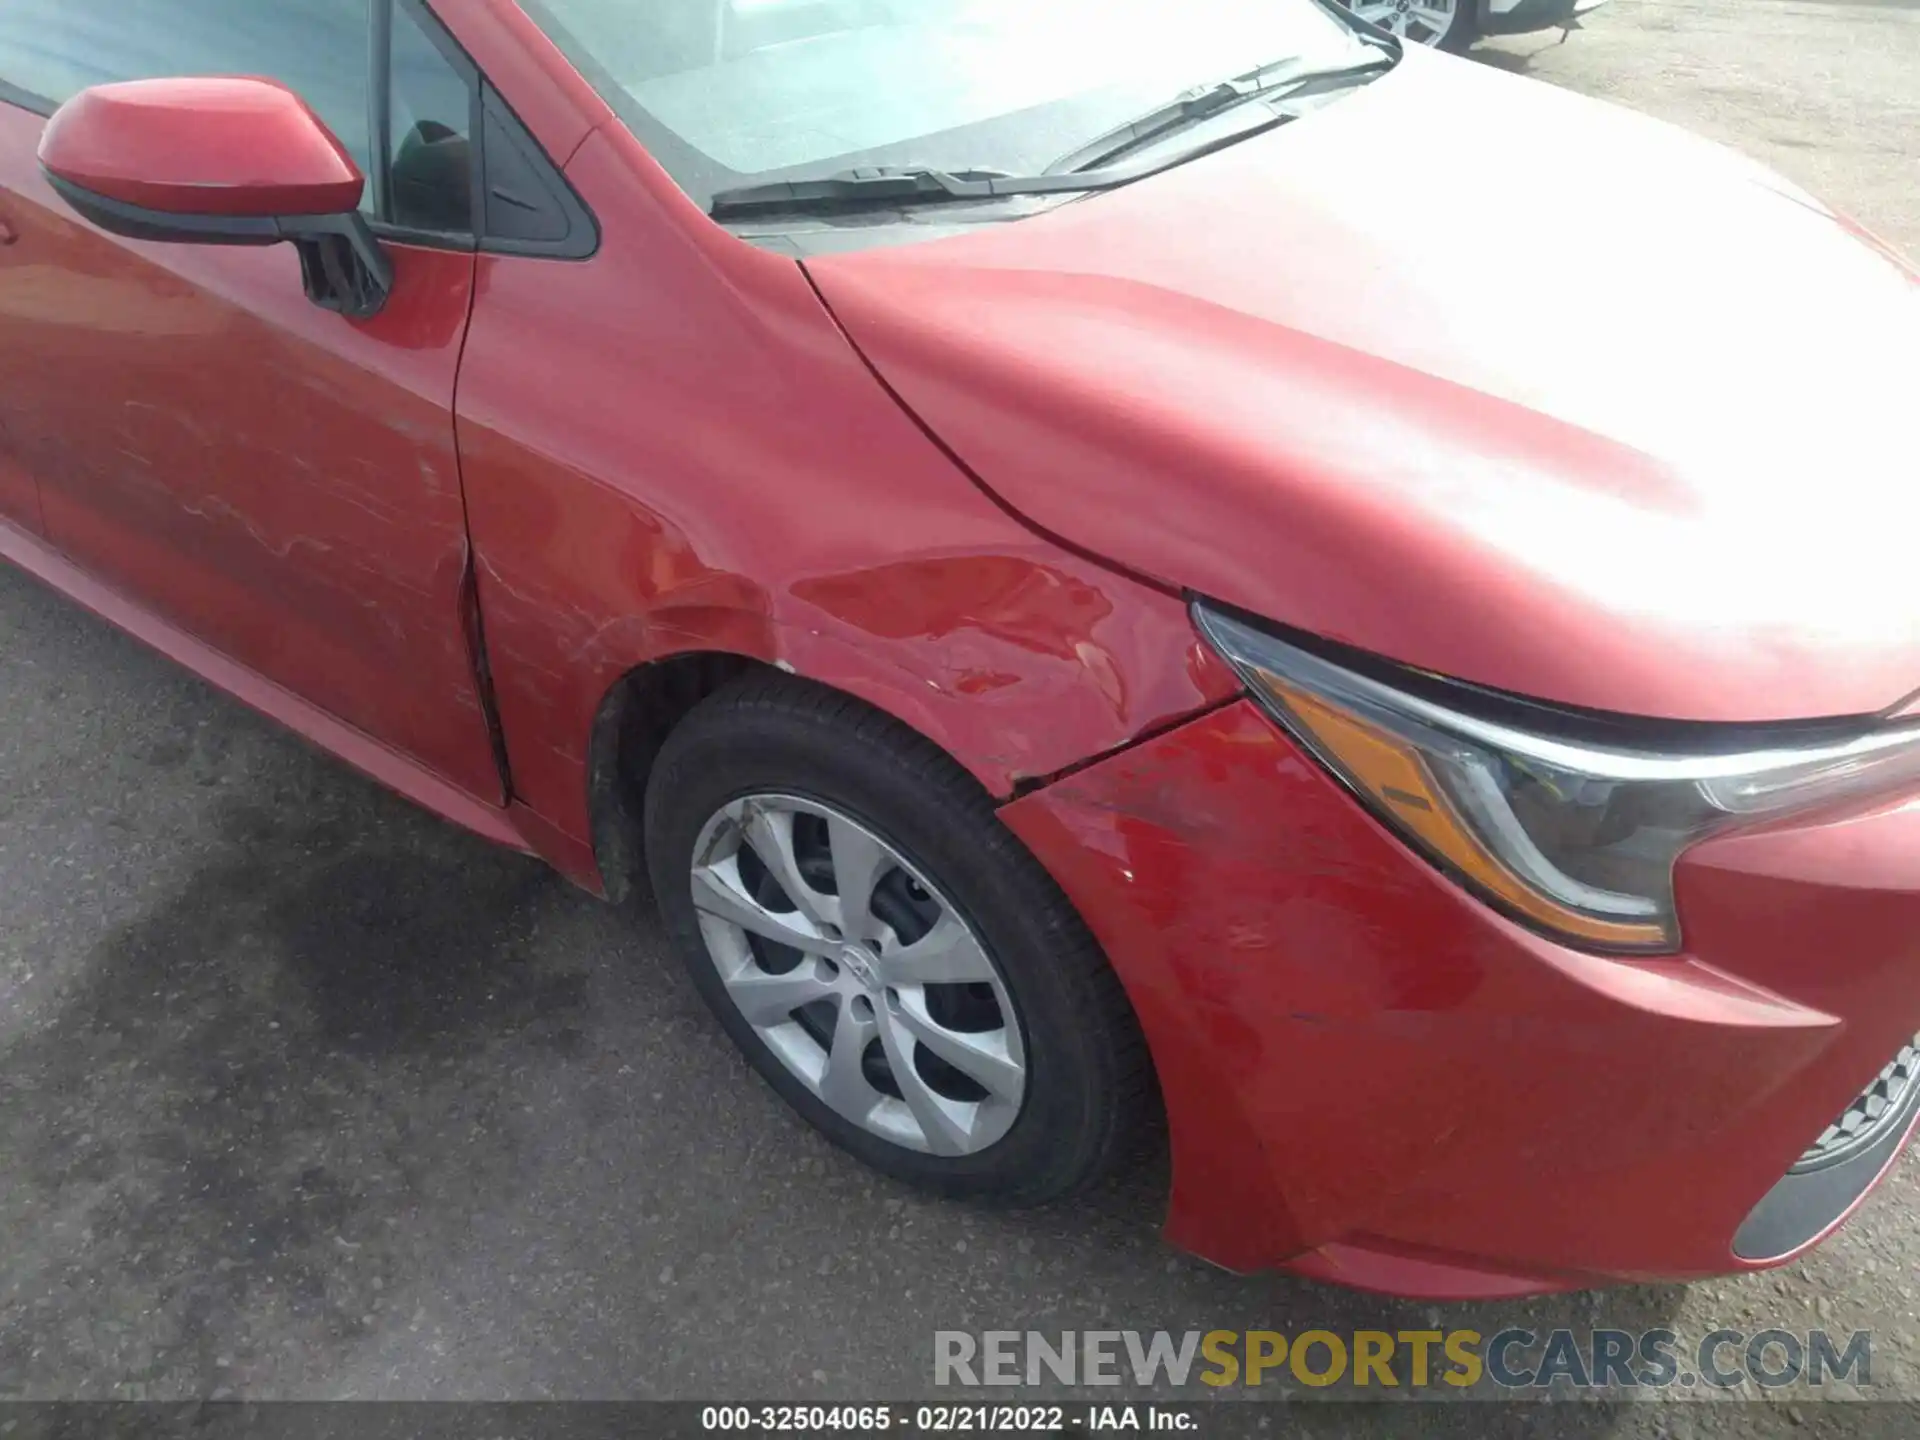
<point>726,92</point>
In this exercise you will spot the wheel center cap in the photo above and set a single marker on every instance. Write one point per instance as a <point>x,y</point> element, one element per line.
<point>859,962</point>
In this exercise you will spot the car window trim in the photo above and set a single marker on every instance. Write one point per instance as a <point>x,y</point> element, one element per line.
<point>487,104</point>
<point>386,13</point>
<point>26,100</point>
<point>380,104</point>
<point>582,238</point>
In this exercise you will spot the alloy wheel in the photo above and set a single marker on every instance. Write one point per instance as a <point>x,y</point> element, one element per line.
<point>858,974</point>
<point>1421,22</point>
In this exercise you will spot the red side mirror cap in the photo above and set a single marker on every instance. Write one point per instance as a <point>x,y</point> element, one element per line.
<point>205,147</point>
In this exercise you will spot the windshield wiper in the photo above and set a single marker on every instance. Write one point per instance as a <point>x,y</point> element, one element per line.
<point>1269,82</point>
<point>1086,169</point>
<point>877,185</point>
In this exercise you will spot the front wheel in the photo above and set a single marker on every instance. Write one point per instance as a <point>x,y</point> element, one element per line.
<point>1440,24</point>
<point>886,954</point>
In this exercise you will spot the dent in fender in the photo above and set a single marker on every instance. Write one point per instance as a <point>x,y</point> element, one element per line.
<point>699,461</point>
<point>1354,1051</point>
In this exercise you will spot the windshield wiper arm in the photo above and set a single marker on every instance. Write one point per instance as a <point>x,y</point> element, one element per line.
<point>1094,166</point>
<point>879,185</point>
<point>1269,82</point>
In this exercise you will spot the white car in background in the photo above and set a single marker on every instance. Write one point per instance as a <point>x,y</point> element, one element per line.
<point>1456,24</point>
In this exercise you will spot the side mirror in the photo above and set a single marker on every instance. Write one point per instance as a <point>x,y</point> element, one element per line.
<point>220,162</point>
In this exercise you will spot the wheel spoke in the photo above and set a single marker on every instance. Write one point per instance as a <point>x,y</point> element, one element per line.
<point>770,999</point>
<point>770,833</point>
<point>844,1084</point>
<point>858,981</point>
<point>982,1057</point>
<point>942,1129</point>
<point>858,863</point>
<point>717,891</point>
<point>945,955</point>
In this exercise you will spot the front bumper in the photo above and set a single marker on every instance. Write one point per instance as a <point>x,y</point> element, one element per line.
<point>1514,17</point>
<point>1373,1078</point>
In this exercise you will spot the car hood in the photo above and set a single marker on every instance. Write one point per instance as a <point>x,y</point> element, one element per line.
<point>1464,370</point>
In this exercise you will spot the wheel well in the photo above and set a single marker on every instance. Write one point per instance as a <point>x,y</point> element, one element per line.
<point>633,722</point>
<point>632,725</point>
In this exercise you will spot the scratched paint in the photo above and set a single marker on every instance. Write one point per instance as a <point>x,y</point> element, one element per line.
<point>275,480</point>
<point>700,461</point>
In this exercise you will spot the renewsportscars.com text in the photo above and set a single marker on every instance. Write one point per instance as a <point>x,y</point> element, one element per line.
<point>1511,1359</point>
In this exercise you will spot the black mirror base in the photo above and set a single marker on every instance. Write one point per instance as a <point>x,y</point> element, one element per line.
<point>342,264</point>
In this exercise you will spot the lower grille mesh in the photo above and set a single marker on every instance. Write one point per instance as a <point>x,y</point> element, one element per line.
<point>1875,1107</point>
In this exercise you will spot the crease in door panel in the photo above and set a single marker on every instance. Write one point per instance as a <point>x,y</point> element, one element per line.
<point>472,622</point>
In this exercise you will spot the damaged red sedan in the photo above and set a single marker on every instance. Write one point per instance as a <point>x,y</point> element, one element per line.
<point>1084,567</point>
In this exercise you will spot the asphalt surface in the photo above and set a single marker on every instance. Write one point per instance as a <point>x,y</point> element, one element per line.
<point>305,1094</point>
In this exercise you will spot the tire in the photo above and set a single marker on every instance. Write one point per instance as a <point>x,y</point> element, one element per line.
<point>772,756</point>
<point>1420,26</point>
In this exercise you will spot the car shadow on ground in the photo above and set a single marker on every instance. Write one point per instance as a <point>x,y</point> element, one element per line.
<point>1518,54</point>
<point>1515,62</point>
<point>278,1115</point>
<point>308,1035</point>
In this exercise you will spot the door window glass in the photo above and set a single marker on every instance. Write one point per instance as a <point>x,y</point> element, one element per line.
<point>431,164</point>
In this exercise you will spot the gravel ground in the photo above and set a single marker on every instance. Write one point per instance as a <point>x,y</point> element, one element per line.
<point>303,1093</point>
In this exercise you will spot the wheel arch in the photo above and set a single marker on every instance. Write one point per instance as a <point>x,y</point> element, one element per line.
<point>634,718</point>
<point>1018,668</point>
<point>648,701</point>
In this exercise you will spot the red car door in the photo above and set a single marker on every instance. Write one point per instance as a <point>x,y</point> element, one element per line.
<point>19,499</point>
<point>277,480</point>
<point>19,496</point>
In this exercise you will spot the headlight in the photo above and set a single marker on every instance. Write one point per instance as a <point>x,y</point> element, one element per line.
<point>1566,822</point>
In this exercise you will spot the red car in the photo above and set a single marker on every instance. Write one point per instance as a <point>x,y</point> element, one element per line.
<point>1080,566</point>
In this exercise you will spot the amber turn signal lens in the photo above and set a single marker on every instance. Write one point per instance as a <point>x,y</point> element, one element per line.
<point>1395,780</point>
